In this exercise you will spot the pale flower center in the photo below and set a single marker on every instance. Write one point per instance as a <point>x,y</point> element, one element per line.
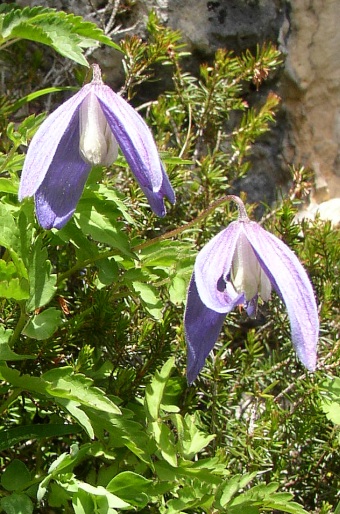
<point>247,276</point>
<point>97,144</point>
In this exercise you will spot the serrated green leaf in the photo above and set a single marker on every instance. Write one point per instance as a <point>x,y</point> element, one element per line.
<point>13,275</point>
<point>33,33</point>
<point>289,507</point>
<point>22,133</point>
<point>66,43</point>
<point>63,383</point>
<point>256,495</point>
<point>16,288</point>
<point>43,325</point>
<point>66,33</point>
<point>73,392</point>
<point>87,31</point>
<point>243,508</point>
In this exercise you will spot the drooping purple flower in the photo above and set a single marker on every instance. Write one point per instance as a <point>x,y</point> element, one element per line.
<point>237,267</point>
<point>85,131</point>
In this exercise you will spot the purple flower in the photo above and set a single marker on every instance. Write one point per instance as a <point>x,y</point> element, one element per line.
<point>237,267</point>
<point>85,131</point>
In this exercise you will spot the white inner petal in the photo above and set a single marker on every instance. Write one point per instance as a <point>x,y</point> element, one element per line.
<point>265,287</point>
<point>97,144</point>
<point>247,276</point>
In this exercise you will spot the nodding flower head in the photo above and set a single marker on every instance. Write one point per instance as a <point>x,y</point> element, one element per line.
<point>86,131</point>
<point>239,266</point>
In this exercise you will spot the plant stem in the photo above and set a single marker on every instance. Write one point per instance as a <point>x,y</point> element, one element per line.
<point>193,222</point>
<point>167,235</point>
<point>20,325</point>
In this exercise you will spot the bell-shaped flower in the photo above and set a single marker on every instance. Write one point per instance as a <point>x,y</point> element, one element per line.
<point>239,266</point>
<point>85,131</point>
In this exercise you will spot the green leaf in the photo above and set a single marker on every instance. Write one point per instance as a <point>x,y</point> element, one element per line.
<point>113,501</point>
<point>113,196</point>
<point>108,272</point>
<point>43,325</point>
<point>6,353</point>
<point>64,383</point>
<point>149,298</point>
<point>9,234</point>
<point>162,254</point>
<point>82,502</point>
<point>74,408</point>
<point>37,94</point>
<point>290,507</point>
<point>17,503</point>
<point>332,411</point>
<point>42,281</point>
<point>178,290</point>
<point>12,286</point>
<point>65,462</point>
<point>66,33</point>
<point>235,484</point>
<point>12,436</point>
<point>15,476</point>
<point>103,227</point>
<point>330,399</point>
<point>13,274</point>
<point>72,391</point>
<point>130,487</point>
<point>165,441</point>
<point>191,439</point>
<point>22,133</point>
<point>264,496</point>
<point>24,382</point>
<point>155,390</point>
<point>7,186</point>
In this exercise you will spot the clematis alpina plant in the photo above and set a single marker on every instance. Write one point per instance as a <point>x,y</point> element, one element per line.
<point>239,266</point>
<point>85,131</point>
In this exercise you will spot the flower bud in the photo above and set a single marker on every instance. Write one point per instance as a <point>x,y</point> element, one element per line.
<point>247,276</point>
<point>97,144</point>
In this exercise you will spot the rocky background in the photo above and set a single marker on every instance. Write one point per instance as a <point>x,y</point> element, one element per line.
<point>307,131</point>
